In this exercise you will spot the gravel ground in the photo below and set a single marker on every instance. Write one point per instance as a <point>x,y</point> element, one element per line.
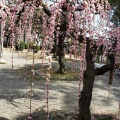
<point>14,92</point>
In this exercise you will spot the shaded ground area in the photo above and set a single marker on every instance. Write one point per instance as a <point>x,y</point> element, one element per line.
<point>63,92</point>
<point>41,115</point>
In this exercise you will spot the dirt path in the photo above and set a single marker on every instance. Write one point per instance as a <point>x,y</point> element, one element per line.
<point>14,92</point>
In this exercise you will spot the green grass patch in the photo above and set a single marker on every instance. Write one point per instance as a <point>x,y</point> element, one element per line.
<point>70,75</point>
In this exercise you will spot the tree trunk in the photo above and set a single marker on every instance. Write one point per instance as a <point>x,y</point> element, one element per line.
<point>62,65</point>
<point>86,94</point>
<point>61,54</point>
<point>88,80</point>
<point>63,28</point>
<point>111,72</point>
<point>110,76</point>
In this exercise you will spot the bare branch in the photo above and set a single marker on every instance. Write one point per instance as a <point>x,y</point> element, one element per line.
<point>103,69</point>
<point>46,10</point>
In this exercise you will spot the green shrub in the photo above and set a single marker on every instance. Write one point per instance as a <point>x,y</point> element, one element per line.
<point>40,47</point>
<point>26,45</point>
<point>22,46</point>
<point>37,48</point>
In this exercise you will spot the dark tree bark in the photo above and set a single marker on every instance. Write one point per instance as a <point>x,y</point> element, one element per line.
<point>19,15</point>
<point>63,28</point>
<point>38,3</point>
<point>88,80</point>
<point>46,10</point>
<point>103,69</point>
<point>61,54</point>
<point>86,94</point>
<point>110,76</point>
<point>54,50</point>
